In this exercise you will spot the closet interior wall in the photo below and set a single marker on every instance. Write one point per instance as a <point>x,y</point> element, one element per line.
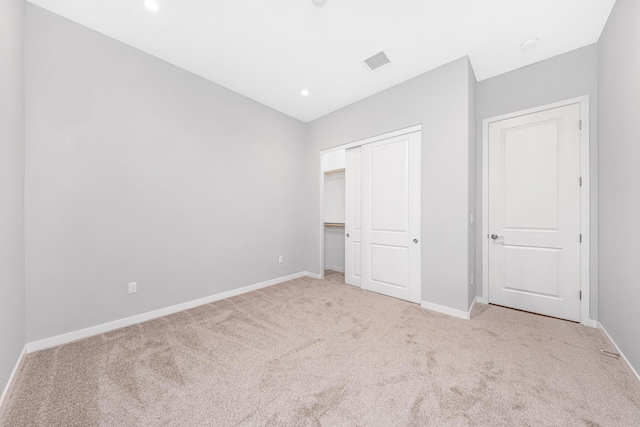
<point>333,167</point>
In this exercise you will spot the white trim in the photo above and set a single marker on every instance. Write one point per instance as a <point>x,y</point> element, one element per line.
<point>585,287</point>
<point>623,360</point>
<point>314,275</point>
<point>128,321</point>
<point>585,317</point>
<point>473,305</point>
<point>332,268</point>
<point>6,393</point>
<point>380,137</point>
<point>449,311</point>
<point>321,225</point>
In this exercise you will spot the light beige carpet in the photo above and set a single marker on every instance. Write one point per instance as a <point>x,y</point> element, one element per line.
<point>317,352</point>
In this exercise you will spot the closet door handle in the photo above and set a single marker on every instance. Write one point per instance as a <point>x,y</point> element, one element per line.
<point>347,234</point>
<point>415,240</point>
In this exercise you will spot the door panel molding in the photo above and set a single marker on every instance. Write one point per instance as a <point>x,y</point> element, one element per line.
<point>583,102</point>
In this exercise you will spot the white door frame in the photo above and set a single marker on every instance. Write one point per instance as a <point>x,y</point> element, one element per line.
<point>583,101</point>
<point>358,143</point>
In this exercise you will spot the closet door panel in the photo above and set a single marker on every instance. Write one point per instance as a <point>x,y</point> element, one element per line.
<point>353,217</point>
<point>390,203</point>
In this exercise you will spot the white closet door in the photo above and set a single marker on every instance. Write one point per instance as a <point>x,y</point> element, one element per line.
<point>391,246</point>
<point>353,217</point>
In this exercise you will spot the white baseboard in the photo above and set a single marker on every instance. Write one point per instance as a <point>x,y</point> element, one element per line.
<point>448,310</point>
<point>623,360</point>
<point>6,393</point>
<point>128,321</point>
<point>312,275</point>
<point>473,305</point>
<point>482,300</point>
<point>332,268</point>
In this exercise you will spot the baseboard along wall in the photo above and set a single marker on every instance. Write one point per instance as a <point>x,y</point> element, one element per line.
<point>6,393</point>
<point>448,310</point>
<point>139,318</point>
<point>623,360</point>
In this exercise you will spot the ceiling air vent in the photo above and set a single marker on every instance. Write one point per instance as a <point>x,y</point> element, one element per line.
<point>377,61</point>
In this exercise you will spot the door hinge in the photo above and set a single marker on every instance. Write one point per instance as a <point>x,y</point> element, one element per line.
<point>580,237</point>
<point>580,181</point>
<point>581,295</point>
<point>580,124</point>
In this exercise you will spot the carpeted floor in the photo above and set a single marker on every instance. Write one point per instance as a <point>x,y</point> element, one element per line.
<point>318,352</point>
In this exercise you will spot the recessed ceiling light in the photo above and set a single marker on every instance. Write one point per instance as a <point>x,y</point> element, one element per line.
<point>304,92</point>
<point>152,5</point>
<point>319,2</point>
<point>527,44</point>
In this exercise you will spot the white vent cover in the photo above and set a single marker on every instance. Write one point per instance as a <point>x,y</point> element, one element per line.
<point>377,61</point>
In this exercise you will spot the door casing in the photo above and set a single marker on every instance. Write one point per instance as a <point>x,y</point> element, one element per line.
<point>583,101</point>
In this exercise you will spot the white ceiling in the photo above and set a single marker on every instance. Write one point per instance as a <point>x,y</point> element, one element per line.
<point>269,50</point>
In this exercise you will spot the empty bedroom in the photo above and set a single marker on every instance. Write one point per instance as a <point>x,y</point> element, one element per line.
<point>319,213</point>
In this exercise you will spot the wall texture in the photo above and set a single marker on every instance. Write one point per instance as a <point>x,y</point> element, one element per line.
<point>556,79</point>
<point>619,110</point>
<point>11,186</point>
<point>140,171</point>
<point>440,101</point>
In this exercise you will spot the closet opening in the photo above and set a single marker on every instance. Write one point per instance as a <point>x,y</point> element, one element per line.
<point>371,213</point>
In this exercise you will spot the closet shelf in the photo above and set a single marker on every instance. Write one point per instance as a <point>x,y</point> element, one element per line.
<point>334,224</point>
<point>334,171</point>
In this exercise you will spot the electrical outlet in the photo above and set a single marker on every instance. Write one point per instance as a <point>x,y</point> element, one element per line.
<point>472,277</point>
<point>133,287</point>
<point>471,219</point>
<point>280,259</point>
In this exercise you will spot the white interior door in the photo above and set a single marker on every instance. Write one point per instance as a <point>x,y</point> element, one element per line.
<point>391,200</point>
<point>534,212</point>
<point>353,217</point>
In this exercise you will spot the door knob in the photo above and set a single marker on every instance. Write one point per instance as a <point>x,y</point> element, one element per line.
<point>347,234</point>
<point>496,237</point>
<point>415,240</point>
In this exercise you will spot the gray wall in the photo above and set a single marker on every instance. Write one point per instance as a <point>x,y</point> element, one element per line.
<point>619,108</point>
<point>140,171</point>
<point>439,100</point>
<point>11,186</point>
<point>473,86</point>
<point>556,79</point>
<point>334,254</point>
